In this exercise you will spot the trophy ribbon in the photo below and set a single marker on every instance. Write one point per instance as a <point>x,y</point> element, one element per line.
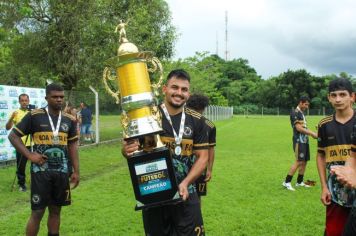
<point>177,138</point>
<point>55,131</point>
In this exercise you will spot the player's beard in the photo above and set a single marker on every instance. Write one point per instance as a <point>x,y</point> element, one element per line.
<point>175,105</point>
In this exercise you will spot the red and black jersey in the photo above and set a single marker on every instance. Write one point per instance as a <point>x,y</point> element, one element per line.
<point>37,124</point>
<point>334,142</point>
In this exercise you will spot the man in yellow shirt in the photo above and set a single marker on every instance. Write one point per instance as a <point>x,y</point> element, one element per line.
<point>21,161</point>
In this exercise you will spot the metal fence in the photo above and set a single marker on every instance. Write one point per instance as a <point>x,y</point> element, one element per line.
<point>280,111</point>
<point>214,113</point>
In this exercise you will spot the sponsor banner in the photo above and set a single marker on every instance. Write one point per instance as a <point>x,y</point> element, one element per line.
<point>8,104</point>
<point>153,177</point>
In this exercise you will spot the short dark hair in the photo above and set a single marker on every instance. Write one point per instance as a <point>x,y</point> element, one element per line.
<point>53,87</point>
<point>23,95</point>
<point>304,99</point>
<point>340,84</point>
<point>198,102</point>
<point>179,73</point>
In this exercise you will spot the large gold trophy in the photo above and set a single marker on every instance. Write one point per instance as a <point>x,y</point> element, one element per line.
<point>151,168</point>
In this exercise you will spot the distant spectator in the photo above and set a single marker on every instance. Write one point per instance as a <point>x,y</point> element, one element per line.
<point>21,161</point>
<point>86,118</point>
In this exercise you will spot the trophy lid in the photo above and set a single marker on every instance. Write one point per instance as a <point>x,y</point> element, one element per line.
<point>127,48</point>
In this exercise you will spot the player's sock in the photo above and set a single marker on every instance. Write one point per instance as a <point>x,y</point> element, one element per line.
<point>300,179</point>
<point>289,178</point>
<point>49,234</point>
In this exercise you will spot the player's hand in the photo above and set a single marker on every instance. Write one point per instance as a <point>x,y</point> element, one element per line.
<point>314,135</point>
<point>129,147</point>
<point>325,196</point>
<point>14,114</point>
<point>37,158</point>
<point>207,175</point>
<point>345,175</point>
<point>74,180</point>
<point>183,191</point>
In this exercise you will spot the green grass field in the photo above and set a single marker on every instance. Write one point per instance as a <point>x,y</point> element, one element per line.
<point>245,196</point>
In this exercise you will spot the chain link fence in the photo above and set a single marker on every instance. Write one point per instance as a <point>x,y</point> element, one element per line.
<point>246,111</point>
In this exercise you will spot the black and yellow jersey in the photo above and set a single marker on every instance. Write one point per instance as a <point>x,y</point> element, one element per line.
<point>334,143</point>
<point>37,124</point>
<point>297,117</point>
<point>211,130</point>
<point>194,138</point>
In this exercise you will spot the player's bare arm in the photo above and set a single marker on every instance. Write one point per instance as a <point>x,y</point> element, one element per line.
<point>73,154</point>
<point>325,193</point>
<point>196,170</point>
<point>20,147</point>
<point>303,130</point>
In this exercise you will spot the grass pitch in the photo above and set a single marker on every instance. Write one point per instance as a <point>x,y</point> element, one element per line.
<point>245,196</point>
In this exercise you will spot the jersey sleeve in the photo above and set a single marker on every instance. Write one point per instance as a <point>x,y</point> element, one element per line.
<point>353,137</point>
<point>72,133</point>
<point>201,139</point>
<point>212,137</point>
<point>296,117</point>
<point>321,139</point>
<point>24,126</point>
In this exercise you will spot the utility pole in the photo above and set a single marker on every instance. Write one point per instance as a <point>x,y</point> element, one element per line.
<point>217,44</point>
<point>226,51</point>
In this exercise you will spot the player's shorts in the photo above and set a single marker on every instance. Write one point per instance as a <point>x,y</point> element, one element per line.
<point>85,129</point>
<point>201,186</point>
<point>336,217</point>
<point>350,226</point>
<point>301,151</point>
<point>184,218</point>
<point>49,188</point>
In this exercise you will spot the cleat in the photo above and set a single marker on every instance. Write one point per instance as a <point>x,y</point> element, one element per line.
<point>288,186</point>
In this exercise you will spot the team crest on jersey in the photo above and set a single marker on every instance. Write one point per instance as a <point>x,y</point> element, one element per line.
<point>64,127</point>
<point>187,131</point>
<point>36,198</point>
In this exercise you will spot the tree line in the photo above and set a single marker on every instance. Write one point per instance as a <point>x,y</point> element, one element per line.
<point>68,41</point>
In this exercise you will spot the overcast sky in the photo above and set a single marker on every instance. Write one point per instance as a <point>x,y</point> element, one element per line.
<point>273,35</point>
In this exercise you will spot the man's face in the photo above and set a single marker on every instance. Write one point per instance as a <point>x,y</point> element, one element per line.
<point>303,105</point>
<point>55,100</point>
<point>24,101</point>
<point>176,92</point>
<point>341,99</point>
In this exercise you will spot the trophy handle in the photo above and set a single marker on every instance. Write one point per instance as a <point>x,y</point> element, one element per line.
<point>107,76</point>
<point>156,66</point>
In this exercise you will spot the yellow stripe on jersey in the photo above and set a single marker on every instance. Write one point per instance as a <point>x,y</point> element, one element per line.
<point>193,113</point>
<point>47,138</point>
<point>325,120</point>
<point>337,152</point>
<point>209,123</point>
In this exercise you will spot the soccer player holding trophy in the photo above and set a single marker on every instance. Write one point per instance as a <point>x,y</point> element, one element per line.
<point>159,142</point>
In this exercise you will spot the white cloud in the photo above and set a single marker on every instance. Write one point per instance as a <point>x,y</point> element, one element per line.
<point>275,36</point>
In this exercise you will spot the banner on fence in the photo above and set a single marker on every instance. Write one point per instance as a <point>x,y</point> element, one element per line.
<point>9,103</point>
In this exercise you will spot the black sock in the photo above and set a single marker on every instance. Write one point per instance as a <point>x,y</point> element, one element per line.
<point>300,179</point>
<point>289,178</point>
<point>49,234</point>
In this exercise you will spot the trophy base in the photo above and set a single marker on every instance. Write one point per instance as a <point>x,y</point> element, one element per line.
<point>153,178</point>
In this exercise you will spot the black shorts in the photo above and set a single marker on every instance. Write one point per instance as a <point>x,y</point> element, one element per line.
<point>49,188</point>
<point>201,186</point>
<point>184,218</point>
<point>301,151</point>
